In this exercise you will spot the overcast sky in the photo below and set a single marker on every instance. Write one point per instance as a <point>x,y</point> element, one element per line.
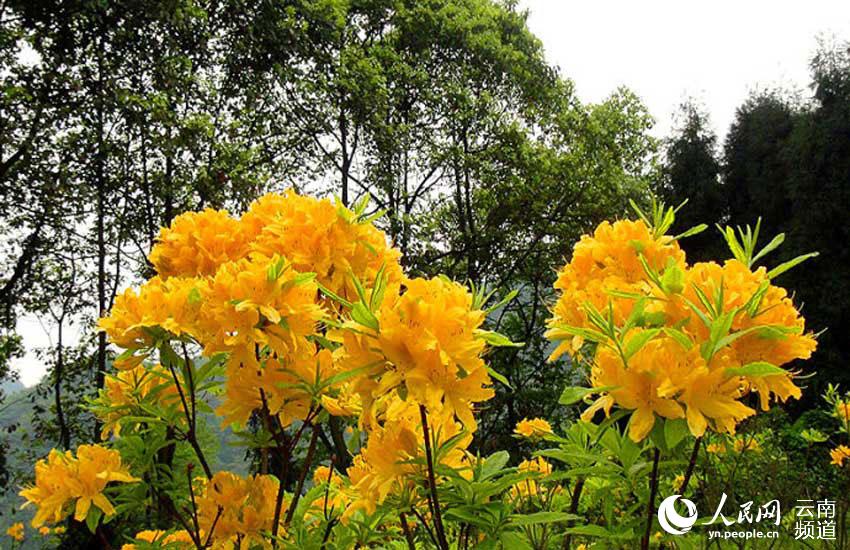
<point>714,51</point>
<point>666,51</point>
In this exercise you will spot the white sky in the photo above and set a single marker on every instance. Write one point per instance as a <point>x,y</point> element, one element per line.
<point>665,51</point>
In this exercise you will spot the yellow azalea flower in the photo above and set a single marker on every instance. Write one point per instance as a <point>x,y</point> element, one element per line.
<point>44,530</point>
<point>168,304</point>
<point>676,374</point>
<point>839,455</point>
<point>716,448</point>
<point>429,335</point>
<point>347,403</point>
<point>745,444</point>
<point>244,506</point>
<point>197,243</point>
<point>608,260</point>
<point>842,411</point>
<point>178,540</point>
<point>392,457</point>
<point>531,486</point>
<point>148,536</point>
<point>427,346</point>
<point>320,237</point>
<point>16,531</point>
<point>274,385</point>
<point>533,428</point>
<point>80,480</point>
<point>639,386</point>
<point>336,498</point>
<point>127,389</point>
<point>257,301</point>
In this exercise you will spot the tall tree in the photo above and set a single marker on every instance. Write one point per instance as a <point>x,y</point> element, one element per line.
<point>756,163</point>
<point>691,171</point>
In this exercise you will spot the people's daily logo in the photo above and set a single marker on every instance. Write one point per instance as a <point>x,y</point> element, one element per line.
<point>671,521</point>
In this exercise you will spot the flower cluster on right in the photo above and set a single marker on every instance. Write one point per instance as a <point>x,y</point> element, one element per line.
<point>674,340</point>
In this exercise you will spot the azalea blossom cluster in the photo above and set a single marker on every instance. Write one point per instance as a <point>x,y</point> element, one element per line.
<point>422,351</point>
<point>248,287</point>
<point>66,484</point>
<point>671,339</point>
<point>307,306</point>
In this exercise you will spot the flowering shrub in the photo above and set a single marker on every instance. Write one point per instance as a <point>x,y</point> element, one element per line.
<point>298,315</point>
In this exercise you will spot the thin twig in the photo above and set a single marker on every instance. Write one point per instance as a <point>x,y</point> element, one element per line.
<point>691,465</point>
<point>189,468</point>
<point>212,527</point>
<point>190,432</point>
<point>438,519</point>
<point>573,509</point>
<point>650,506</point>
<point>311,450</point>
<point>408,535</point>
<point>425,525</point>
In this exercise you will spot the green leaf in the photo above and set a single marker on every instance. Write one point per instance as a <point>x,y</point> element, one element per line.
<point>362,315</point>
<point>782,268</point>
<point>194,296</point>
<point>756,370</point>
<point>497,340</point>
<point>675,430</point>
<point>494,464</point>
<point>343,376</point>
<point>771,246</point>
<point>498,376</point>
<point>514,541</point>
<point>683,339</point>
<point>503,302</point>
<point>638,341</point>
<point>734,245</point>
<point>673,280</point>
<point>591,531</point>
<point>93,518</point>
<point>302,278</point>
<point>588,334</point>
<point>651,273</point>
<point>542,517</point>
<point>574,394</point>
<point>466,514</point>
<point>691,232</point>
<point>328,292</point>
<point>276,269</point>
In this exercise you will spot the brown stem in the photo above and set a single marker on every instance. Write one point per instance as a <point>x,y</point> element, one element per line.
<point>425,525</point>
<point>573,509</point>
<point>280,490</point>
<point>311,450</point>
<point>691,465</point>
<point>408,535</point>
<point>343,457</point>
<point>104,541</point>
<point>197,534</point>
<point>438,519</point>
<point>327,534</point>
<point>218,513</point>
<point>190,432</point>
<point>650,506</point>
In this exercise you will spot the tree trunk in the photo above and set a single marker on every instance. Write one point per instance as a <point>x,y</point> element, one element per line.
<point>64,433</point>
